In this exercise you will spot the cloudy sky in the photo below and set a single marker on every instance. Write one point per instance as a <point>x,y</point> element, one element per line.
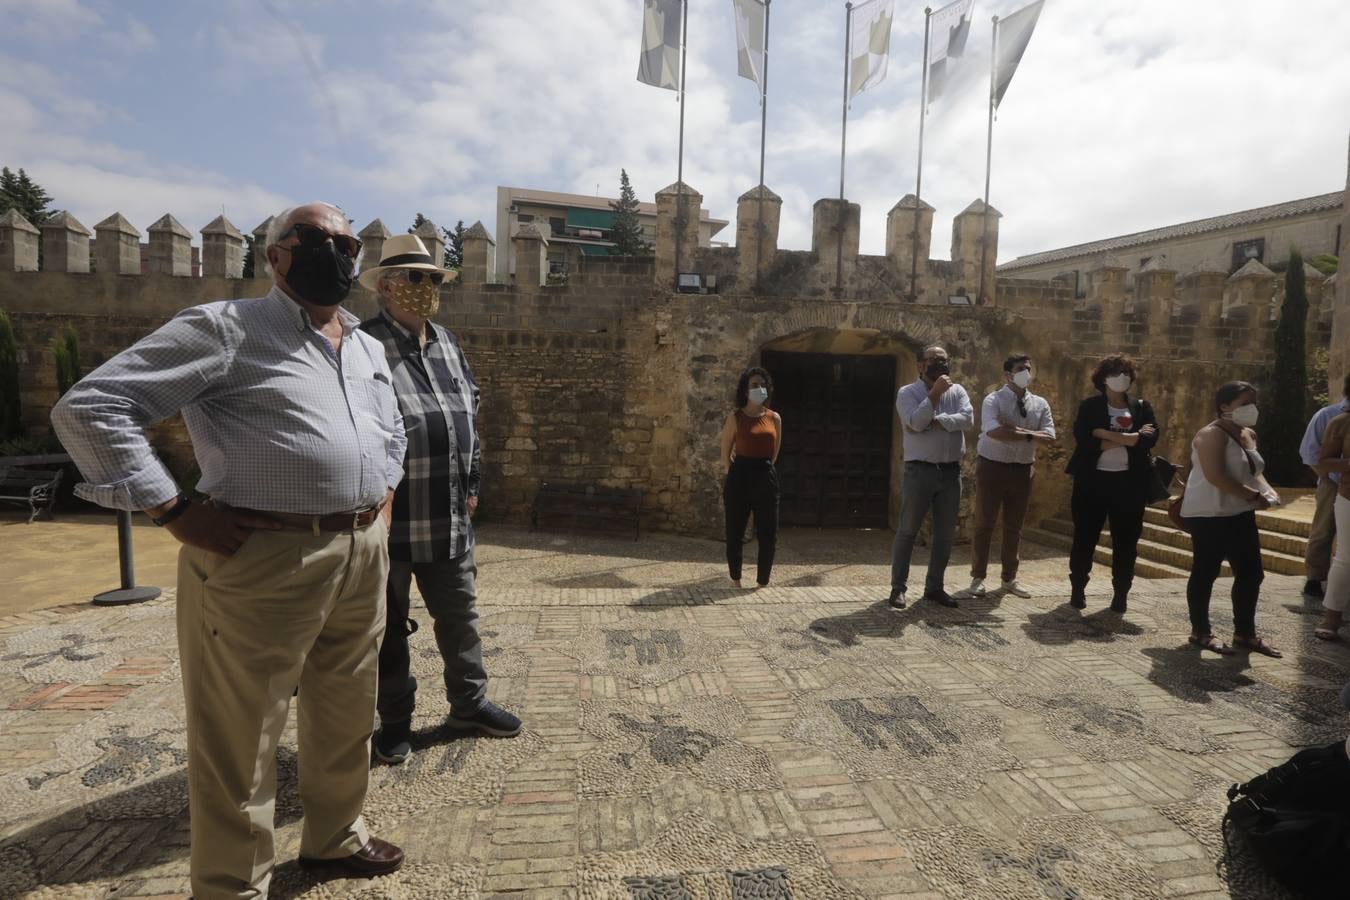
<point>1125,114</point>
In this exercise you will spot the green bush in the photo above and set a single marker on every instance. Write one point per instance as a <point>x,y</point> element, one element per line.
<point>11,420</point>
<point>1325,263</point>
<point>66,349</point>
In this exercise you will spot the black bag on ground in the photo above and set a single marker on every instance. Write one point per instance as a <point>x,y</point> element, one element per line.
<point>1295,820</point>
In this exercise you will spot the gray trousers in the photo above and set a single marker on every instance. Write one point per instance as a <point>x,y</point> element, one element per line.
<point>926,487</point>
<point>449,590</point>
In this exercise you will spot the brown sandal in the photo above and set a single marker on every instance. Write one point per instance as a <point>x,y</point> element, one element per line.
<point>1211,643</point>
<point>1256,644</point>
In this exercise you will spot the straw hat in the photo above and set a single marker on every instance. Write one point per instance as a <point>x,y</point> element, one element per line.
<point>403,251</point>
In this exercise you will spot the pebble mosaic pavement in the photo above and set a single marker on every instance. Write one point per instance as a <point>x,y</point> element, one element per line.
<point>687,740</point>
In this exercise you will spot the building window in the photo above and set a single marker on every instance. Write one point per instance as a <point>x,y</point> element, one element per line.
<point>522,218</point>
<point>558,224</point>
<point>557,263</point>
<point>1245,250</point>
<point>1079,285</point>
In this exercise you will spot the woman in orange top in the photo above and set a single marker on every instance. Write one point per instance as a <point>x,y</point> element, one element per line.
<point>751,439</point>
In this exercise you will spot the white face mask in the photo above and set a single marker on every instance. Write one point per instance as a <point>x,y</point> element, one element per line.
<point>1022,378</point>
<point>1119,383</point>
<point>1245,415</point>
<point>758,395</point>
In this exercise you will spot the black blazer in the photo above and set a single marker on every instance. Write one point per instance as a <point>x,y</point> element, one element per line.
<point>1092,414</point>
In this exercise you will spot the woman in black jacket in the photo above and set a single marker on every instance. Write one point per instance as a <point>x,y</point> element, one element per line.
<point>1110,469</point>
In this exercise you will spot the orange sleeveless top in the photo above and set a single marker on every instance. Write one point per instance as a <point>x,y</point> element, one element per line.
<point>755,436</point>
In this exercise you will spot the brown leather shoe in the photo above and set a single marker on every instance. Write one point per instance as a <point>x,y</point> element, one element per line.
<point>376,858</point>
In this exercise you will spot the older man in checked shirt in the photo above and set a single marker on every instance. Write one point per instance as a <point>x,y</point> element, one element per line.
<point>431,538</point>
<point>281,574</point>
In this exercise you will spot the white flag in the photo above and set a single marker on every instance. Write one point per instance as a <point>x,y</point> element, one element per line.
<point>948,29</point>
<point>659,64</point>
<point>870,44</point>
<point>750,39</point>
<point>1014,33</point>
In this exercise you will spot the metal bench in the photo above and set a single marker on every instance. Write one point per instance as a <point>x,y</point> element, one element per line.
<point>587,506</point>
<point>31,485</point>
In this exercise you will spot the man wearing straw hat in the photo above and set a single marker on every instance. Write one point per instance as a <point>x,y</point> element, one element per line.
<point>431,536</point>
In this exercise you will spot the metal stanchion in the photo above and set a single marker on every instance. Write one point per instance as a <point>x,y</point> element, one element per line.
<point>128,592</point>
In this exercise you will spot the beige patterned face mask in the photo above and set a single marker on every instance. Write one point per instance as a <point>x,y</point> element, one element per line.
<point>419,299</point>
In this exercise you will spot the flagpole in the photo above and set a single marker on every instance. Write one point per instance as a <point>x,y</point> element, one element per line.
<point>843,145</point>
<point>988,164</point>
<point>918,181</point>
<point>763,120</point>
<point>679,165</point>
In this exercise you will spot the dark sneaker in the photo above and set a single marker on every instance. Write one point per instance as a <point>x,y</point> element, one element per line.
<point>1078,600</point>
<point>488,719</point>
<point>391,744</point>
<point>897,598</point>
<point>941,597</point>
<point>1118,604</point>
<point>1312,589</point>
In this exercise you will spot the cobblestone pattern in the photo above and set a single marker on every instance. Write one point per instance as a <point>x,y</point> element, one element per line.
<point>693,741</point>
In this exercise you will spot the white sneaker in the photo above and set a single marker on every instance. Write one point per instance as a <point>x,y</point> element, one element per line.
<point>977,588</point>
<point>1012,587</point>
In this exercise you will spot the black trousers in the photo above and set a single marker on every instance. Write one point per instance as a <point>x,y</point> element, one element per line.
<point>1213,540</point>
<point>1099,497</point>
<point>751,486</point>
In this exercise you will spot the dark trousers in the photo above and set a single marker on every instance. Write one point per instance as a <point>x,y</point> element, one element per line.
<point>1098,497</point>
<point>1006,486</point>
<point>751,486</point>
<point>450,593</point>
<point>1213,540</point>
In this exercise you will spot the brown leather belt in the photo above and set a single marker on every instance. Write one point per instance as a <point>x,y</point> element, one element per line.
<point>352,521</point>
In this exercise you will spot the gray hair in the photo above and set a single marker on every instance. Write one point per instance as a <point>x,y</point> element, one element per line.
<point>279,225</point>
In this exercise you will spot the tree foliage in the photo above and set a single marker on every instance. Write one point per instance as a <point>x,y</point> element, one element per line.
<point>11,421</point>
<point>626,232</point>
<point>1286,410</point>
<point>452,257</point>
<point>18,191</point>
<point>66,349</point>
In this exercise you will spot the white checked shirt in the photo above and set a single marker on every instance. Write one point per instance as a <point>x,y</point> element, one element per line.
<point>1003,404</point>
<point>279,421</point>
<point>954,416</point>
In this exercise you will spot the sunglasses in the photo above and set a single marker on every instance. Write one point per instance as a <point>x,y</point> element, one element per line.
<point>415,276</point>
<point>312,237</point>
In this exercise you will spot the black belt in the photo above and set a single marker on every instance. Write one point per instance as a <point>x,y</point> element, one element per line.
<point>924,462</point>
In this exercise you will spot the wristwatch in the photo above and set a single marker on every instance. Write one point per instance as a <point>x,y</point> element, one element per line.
<point>180,507</point>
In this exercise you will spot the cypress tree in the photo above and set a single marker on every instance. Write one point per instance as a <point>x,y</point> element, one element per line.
<point>626,232</point>
<point>66,349</point>
<point>1285,411</point>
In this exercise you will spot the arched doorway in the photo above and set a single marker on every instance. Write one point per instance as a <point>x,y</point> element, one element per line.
<point>835,389</point>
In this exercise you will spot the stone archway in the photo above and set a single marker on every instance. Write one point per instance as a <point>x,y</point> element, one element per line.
<point>842,451</point>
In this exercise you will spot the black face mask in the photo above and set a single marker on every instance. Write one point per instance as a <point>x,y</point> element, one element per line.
<point>936,369</point>
<point>320,275</point>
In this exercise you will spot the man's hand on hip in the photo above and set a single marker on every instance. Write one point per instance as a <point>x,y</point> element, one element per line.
<point>472,504</point>
<point>217,529</point>
<point>387,508</point>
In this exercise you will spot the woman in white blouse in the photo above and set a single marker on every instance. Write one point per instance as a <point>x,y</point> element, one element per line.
<point>1225,489</point>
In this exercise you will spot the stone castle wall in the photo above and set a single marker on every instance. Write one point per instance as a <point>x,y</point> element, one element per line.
<point>612,378</point>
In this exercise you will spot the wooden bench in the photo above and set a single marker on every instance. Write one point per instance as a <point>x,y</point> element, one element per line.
<point>587,506</point>
<point>31,485</point>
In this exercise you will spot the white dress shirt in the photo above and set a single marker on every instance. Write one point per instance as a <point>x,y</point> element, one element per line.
<point>1002,403</point>
<point>954,416</point>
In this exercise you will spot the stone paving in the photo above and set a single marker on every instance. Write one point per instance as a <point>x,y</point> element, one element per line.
<point>687,740</point>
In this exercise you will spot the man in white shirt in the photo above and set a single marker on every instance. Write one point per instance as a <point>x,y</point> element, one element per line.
<point>1013,421</point>
<point>935,413</point>
<point>1317,559</point>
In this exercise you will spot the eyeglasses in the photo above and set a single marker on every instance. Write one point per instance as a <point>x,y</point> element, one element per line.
<point>312,236</point>
<point>415,276</point>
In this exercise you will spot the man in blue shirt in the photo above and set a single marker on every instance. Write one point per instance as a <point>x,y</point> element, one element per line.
<point>935,413</point>
<point>1317,559</point>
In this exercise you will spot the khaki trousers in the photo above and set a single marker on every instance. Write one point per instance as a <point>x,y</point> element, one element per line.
<point>1005,486</point>
<point>290,609</point>
<point>1317,558</point>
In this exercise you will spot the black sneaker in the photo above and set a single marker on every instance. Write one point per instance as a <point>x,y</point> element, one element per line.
<point>488,719</point>
<point>1118,604</point>
<point>941,597</point>
<point>391,744</point>
<point>1312,589</point>
<point>1078,600</point>
<point>897,598</point>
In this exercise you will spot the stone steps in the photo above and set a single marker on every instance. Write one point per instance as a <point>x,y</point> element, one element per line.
<point>1168,549</point>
